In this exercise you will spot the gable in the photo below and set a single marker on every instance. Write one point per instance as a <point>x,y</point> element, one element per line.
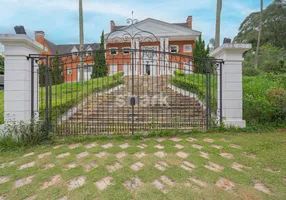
<point>74,49</point>
<point>156,27</point>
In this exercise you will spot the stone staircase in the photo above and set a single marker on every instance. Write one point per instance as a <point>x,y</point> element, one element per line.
<point>159,107</point>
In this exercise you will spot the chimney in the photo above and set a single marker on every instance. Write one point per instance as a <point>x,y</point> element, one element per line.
<point>40,37</point>
<point>190,21</point>
<point>112,25</point>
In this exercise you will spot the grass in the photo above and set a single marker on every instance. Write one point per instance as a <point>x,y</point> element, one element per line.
<point>268,147</point>
<point>1,106</point>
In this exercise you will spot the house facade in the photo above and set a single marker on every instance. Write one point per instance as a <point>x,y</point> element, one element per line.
<point>156,46</point>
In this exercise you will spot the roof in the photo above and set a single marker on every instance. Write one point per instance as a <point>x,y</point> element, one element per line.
<point>67,48</point>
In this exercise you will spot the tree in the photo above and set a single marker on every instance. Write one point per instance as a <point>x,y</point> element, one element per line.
<point>57,76</point>
<point>100,68</point>
<point>273,25</point>
<point>81,38</point>
<point>259,35</point>
<point>200,54</point>
<point>212,42</point>
<point>2,60</point>
<point>218,16</point>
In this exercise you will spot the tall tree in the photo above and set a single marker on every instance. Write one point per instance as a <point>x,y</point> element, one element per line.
<point>1,64</point>
<point>81,38</point>
<point>201,52</point>
<point>100,68</point>
<point>259,35</point>
<point>218,21</point>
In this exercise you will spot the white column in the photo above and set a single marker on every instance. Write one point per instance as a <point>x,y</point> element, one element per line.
<point>231,82</point>
<point>17,79</point>
<point>167,56</point>
<point>162,57</point>
<point>137,57</point>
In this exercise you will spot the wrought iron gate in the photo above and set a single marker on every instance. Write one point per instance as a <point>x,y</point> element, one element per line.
<point>125,91</point>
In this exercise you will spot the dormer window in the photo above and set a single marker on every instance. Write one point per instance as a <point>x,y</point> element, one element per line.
<point>174,48</point>
<point>113,51</point>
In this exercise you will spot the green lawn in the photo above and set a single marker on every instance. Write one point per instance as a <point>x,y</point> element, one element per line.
<point>187,177</point>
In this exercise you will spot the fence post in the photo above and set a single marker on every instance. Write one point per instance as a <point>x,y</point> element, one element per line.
<point>231,83</point>
<point>18,78</point>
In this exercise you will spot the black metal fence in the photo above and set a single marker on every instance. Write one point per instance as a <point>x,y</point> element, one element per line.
<point>124,91</point>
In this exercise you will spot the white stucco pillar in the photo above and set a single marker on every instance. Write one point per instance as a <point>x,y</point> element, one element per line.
<point>17,79</point>
<point>231,82</point>
<point>167,63</point>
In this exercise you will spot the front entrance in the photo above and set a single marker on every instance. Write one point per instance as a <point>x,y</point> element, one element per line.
<point>150,60</point>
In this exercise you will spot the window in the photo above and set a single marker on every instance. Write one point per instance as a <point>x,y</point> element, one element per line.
<point>126,50</point>
<point>113,69</point>
<point>69,71</point>
<point>113,51</point>
<point>188,48</point>
<point>174,49</point>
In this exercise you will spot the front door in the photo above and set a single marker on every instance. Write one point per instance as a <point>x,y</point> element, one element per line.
<point>150,60</point>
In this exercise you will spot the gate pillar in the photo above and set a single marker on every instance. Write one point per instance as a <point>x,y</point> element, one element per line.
<point>18,78</point>
<point>232,109</point>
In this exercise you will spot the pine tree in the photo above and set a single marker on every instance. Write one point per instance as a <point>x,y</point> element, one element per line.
<point>201,53</point>
<point>100,68</point>
<point>57,71</point>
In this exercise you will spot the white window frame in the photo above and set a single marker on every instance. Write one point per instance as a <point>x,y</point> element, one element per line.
<point>113,48</point>
<point>112,72</point>
<point>189,51</point>
<point>123,48</point>
<point>69,71</point>
<point>177,46</point>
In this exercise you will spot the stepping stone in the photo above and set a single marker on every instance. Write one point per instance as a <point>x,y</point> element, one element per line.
<point>204,155</point>
<point>137,166</point>
<point>54,180</point>
<point>2,165</point>
<point>188,166</point>
<point>113,168</point>
<point>252,156</point>
<point>226,155</point>
<point>166,180</point>
<point>142,146</point>
<point>104,183</point>
<point>121,155</point>
<point>178,146</point>
<point>89,146</point>
<point>124,146</point>
<point>63,155</point>
<point>71,166</point>
<point>3,197</point>
<point>29,154</point>
<point>40,156</point>
<point>225,184</point>
<point>133,184</point>
<point>161,165</point>
<point>239,167</point>
<point>198,182</point>
<point>160,154</point>
<point>160,139</point>
<point>214,167</point>
<point>27,165</point>
<point>159,186</point>
<point>101,154</point>
<point>4,179</point>
<point>271,170</point>
<point>216,146</point>
<point>48,166</point>
<point>82,155</point>
<point>107,146</point>
<point>73,146</point>
<point>140,154</point>
<point>159,146</point>
<point>76,183</point>
<point>235,146</point>
<point>196,146</point>
<point>224,140</point>
<point>190,139</point>
<point>58,146</point>
<point>24,181</point>
<point>209,140</point>
<point>260,187</point>
<point>182,154</point>
<point>31,197</point>
<point>90,166</point>
<point>64,198</point>
<point>12,163</point>
<point>175,139</point>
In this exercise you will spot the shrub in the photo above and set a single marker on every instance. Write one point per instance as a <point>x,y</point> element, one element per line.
<point>118,75</point>
<point>275,67</point>
<point>277,98</point>
<point>1,70</point>
<point>179,73</point>
<point>250,71</point>
<point>22,134</point>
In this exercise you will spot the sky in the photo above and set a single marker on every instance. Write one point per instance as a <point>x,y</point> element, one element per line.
<point>59,18</point>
